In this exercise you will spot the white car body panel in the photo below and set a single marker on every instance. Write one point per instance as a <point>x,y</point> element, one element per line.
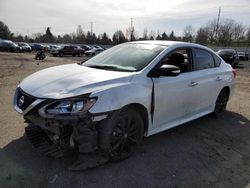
<point>71,80</point>
<point>176,102</point>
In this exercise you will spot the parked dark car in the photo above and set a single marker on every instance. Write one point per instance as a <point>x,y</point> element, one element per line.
<point>9,46</point>
<point>86,47</point>
<point>37,47</point>
<point>25,47</point>
<point>230,56</point>
<point>68,50</point>
<point>243,56</point>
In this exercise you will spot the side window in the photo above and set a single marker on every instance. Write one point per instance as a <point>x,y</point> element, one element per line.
<point>180,58</point>
<point>217,60</point>
<point>204,60</point>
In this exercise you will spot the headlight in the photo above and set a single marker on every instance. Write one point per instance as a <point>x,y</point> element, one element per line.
<point>70,106</point>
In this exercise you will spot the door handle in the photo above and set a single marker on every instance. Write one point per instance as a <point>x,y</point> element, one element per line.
<point>218,79</point>
<point>192,84</point>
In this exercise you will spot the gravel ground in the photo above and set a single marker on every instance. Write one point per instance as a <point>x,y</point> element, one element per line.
<point>203,153</point>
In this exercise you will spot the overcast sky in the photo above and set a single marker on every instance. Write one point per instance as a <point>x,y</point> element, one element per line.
<point>63,16</point>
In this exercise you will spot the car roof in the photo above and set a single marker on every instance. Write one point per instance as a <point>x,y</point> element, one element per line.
<point>169,43</point>
<point>228,50</point>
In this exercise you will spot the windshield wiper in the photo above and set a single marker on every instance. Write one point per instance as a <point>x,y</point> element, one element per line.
<point>110,67</point>
<point>106,67</point>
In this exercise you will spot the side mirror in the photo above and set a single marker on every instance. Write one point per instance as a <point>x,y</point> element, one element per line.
<point>165,70</point>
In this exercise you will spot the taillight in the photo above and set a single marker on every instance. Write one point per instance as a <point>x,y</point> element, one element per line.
<point>234,73</point>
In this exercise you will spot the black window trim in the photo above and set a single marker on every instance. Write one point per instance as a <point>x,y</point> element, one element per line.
<point>158,65</point>
<point>195,61</point>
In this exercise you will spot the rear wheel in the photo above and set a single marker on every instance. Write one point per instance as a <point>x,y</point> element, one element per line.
<point>121,134</point>
<point>79,54</point>
<point>221,103</point>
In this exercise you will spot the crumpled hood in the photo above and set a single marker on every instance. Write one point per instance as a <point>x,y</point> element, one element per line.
<point>71,80</point>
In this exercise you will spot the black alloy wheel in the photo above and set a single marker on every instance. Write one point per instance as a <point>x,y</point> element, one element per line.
<point>121,134</point>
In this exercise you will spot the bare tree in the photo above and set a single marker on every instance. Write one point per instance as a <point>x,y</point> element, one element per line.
<point>80,36</point>
<point>239,31</point>
<point>145,34</point>
<point>188,34</point>
<point>119,37</point>
<point>212,31</point>
<point>152,35</point>
<point>225,32</point>
<point>248,35</point>
<point>202,36</point>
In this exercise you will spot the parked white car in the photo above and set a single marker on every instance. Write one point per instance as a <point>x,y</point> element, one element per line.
<point>93,51</point>
<point>126,92</point>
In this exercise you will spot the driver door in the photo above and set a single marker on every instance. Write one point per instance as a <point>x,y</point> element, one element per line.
<point>174,95</point>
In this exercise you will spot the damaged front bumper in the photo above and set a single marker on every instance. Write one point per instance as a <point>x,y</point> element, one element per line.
<point>53,135</point>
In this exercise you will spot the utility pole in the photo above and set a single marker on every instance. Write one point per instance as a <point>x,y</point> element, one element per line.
<point>91,28</point>
<point>218,22</point>
<point>131,30</point>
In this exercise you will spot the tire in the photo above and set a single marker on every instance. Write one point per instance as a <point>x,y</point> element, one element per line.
<point>221,104</point>
<point>60,54</point>
<point>120,134</point>
<point>73,55</point>
<point>79,54</point>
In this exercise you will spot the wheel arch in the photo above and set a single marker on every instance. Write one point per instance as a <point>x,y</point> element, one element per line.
<point>142,110</point>
<point>227,89</point>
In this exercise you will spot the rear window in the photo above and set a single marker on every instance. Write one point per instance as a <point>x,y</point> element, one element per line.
<point>217,60</point>
<point>204,59</point>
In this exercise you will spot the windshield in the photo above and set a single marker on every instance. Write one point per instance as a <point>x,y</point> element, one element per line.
<point>128,57</point>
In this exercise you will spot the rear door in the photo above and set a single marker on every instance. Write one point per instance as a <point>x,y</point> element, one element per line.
<point>207,80</point>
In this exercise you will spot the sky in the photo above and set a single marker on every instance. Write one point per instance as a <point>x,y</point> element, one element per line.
<point>63,16</point>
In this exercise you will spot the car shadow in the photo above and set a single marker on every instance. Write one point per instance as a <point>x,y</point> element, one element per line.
<point>206,152</point>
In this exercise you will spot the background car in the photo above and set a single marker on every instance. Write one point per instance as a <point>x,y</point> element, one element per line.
<point>229,56</point>
<point>25,47</point>
<point>68,50</point>
<point>53,47</point>
<point>98,47</point>
<point>243,56</point>
<point>86,47</point>
<point>9,46</point>
<point>93,51</point>
<point>37,47</point>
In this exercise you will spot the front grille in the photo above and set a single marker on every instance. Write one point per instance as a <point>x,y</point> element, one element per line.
<point>24,100</point>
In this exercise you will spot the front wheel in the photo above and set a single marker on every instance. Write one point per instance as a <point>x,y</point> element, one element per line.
<point>221,103</point>
<point>60,54</point>
<point>121,134</point>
